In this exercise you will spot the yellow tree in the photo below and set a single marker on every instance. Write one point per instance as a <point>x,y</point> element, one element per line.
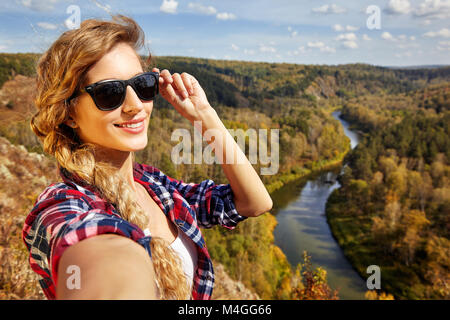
<point>413,222</point>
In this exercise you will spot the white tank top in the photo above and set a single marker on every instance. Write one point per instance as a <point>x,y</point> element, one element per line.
<point>186,250</point>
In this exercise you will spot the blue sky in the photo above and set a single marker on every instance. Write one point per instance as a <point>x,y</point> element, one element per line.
<point>411,32</point>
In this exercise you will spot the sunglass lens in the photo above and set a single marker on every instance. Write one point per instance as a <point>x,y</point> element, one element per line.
<point>109,95</point>
<point>146,86</point>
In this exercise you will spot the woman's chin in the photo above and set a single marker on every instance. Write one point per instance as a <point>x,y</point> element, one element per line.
<point>134,147</point>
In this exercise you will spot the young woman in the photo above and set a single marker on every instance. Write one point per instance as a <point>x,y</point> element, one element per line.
<point>114,228</point>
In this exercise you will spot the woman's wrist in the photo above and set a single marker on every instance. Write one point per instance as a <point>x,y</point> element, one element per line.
<point>207,119</point>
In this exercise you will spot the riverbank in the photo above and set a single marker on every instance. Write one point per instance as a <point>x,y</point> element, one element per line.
<point>312,168</point>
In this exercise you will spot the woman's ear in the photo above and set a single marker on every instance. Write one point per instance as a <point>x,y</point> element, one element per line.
<point>71,123</point>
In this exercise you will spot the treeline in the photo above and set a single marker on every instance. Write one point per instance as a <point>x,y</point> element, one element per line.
<point>17,63</point>
<point>393,207</point>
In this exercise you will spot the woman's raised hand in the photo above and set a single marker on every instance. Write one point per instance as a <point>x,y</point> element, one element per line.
<point>184,93</point>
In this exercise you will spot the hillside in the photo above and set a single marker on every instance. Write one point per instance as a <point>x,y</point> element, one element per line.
<point>393,206</point>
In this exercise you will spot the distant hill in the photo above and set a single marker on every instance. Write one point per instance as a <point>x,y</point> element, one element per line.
<point>425,66</point>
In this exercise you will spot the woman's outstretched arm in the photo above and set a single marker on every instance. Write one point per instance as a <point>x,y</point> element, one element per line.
<point>189,99</point>
<point>250,195</point>
<point>110,267</point>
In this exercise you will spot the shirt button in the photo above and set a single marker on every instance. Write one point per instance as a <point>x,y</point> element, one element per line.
<point>180,224</point>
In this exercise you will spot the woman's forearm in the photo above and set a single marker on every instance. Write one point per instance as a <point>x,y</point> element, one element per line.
<point>109,267</point>
<point>250,194</point>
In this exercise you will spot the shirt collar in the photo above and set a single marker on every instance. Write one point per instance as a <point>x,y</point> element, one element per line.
<point>70,177</point>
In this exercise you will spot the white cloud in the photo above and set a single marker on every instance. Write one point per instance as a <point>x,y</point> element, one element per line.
<point>249,51</point>
<point>346,36</point>
<point>319,45</point>
<point>169,6</point>
<point>443,46</point>
<point>402,41</point>
<point>351,28</point>
<point>234,47</point>
<point>328,9</point>
<point>316,44</point>
<point>225,16</point>
<point>387,36</point>
<point>328,49</point>
<point>201,9</point>
<point>39,5</point>
<point>210,10</point>
<point>292,32</point>
<point>444,33</point>
<point>301,49</point>
<point>338,27</point>
<point>433,9</point>
<point>404,54</point>
<point>264,48</point>
<point>350,44</point>
<point>47,25</point>
<point>348,40</point>
<point>366,37</point>
<point>398,7</point>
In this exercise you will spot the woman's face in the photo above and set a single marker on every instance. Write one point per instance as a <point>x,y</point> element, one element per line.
<point>100,127</point>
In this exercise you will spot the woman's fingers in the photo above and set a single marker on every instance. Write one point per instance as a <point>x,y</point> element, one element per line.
<point>161,79</point>
<point>187,82</point>
<point>166,76</point>
<point>175,84</point>
<point>178,82</point>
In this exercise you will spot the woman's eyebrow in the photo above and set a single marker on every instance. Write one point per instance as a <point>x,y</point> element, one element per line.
<point>140,72</point>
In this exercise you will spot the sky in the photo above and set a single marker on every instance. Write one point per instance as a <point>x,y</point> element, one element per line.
<point>377,32</point>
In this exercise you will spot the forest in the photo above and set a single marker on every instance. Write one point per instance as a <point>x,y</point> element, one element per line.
<point>394,204</point>
<point>398,175</point>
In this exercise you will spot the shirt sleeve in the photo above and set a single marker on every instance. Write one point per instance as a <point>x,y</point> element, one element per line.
<point>62,220</point>
<point>213,203</point>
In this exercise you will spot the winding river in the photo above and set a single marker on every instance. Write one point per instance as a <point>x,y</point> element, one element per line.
<point>302,226</point>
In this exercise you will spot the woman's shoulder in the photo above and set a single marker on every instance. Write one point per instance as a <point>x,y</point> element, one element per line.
<point>63,190</point>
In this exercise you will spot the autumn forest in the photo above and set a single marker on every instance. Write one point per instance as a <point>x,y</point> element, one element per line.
<point>393,206</point>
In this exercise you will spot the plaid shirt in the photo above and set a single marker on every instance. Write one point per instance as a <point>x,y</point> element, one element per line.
<point>66,213</point>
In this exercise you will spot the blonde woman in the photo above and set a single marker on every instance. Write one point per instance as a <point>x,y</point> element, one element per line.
<point>125,229</point>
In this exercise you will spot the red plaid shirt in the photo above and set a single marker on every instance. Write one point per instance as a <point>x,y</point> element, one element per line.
<point>66,213</point>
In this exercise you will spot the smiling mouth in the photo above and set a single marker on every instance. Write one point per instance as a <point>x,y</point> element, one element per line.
<point>131,125</point>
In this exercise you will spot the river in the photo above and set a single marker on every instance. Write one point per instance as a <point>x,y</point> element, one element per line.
<point>302,226</point>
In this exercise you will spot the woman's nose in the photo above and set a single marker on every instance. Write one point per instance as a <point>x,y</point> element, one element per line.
<point>132,102</point>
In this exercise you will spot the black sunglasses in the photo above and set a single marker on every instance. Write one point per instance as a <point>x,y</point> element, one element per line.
<point>110,94</point>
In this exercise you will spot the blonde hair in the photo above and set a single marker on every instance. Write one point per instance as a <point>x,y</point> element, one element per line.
<point>61,71</point>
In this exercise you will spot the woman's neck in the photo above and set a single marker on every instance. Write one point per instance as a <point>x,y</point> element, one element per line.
<point>122,161</point>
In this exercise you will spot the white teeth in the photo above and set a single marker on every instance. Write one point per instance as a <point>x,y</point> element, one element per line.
<point>132,125</point>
